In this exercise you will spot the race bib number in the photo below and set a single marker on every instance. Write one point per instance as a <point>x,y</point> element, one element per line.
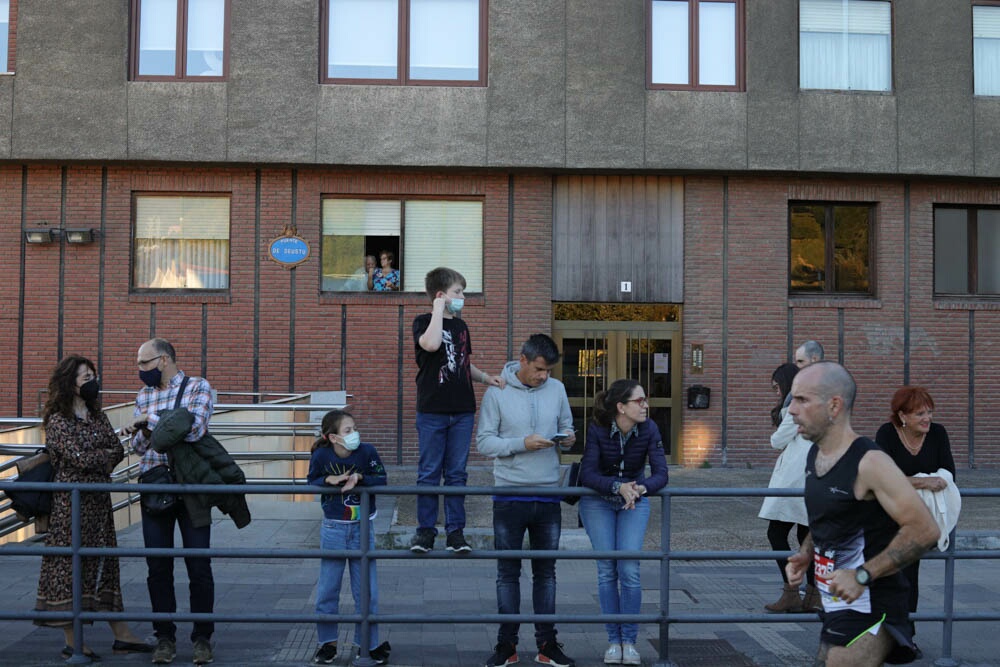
<point>824,564</point>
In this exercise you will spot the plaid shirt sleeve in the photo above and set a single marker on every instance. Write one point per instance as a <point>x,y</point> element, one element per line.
<point>198,400</point>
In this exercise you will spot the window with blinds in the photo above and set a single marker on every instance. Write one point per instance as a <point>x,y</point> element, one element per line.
<point>845,44</point>
<point>986,48</point>
<point>181,242</point>
<point>419,234</point>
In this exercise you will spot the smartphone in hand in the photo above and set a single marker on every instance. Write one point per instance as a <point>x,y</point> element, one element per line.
<point>560,440</point>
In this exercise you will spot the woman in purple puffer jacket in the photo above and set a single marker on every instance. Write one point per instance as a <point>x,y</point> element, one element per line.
<point>620,441</point>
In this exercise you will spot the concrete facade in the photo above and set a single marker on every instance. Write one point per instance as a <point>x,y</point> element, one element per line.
<point>566,89</point>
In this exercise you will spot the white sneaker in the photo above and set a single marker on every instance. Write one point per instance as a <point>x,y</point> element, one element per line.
<point>613,656</point>
<point>630,656</point>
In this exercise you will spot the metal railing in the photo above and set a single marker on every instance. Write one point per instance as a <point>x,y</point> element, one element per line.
<point>664,556</point>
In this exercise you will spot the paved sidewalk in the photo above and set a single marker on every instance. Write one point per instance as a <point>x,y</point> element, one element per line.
<point>443,584</point>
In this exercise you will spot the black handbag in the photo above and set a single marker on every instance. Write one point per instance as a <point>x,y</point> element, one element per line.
<point>572,479</point>
<point>35,468</point>
<point>160,502</point>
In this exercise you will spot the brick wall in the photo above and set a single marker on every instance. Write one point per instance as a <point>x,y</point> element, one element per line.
<point>736,306</point>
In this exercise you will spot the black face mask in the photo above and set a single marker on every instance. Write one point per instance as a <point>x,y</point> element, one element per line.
<point>151,378</point>
<point>90,390</point>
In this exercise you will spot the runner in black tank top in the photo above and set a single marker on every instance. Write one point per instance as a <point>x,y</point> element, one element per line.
<point>855,547</point>
<point>846,532</point>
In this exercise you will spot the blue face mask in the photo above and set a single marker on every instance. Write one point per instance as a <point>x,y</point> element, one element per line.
<point>351,441</point>
<point>151,378</point>
<point>455,306</point>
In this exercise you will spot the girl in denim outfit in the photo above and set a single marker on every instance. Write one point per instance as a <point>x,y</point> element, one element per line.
<point>339,458</point>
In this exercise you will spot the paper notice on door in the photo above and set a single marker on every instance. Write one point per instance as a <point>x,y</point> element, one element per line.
<point>661,362</point>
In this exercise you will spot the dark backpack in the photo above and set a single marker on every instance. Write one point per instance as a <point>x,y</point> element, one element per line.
<point>36,468</point>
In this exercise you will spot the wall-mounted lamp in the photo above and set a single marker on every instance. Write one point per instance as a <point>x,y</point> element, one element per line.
<point>40,235</point>
<point>79,235</point>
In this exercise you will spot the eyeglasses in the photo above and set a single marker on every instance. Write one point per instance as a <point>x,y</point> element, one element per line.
<point>143,362</point>
<point>642,400</point>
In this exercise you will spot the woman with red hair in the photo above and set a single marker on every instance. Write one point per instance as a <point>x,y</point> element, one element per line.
<point>917,445</point>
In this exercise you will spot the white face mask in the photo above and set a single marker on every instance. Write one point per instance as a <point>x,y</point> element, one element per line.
<point>351,441</point>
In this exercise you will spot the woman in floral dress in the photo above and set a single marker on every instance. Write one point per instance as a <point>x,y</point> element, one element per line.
<point>84,448</point>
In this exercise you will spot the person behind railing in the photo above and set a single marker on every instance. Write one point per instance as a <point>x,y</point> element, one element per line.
<point>158,370</point>
<point>84,448</point>
<point>518,423</point>
<point>865,523</point>
<point>620,442</point>
<point>921,449</point>
<point>783,514</point>
<point>339,458</point>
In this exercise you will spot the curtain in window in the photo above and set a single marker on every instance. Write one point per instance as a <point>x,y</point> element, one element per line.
<point>4,34</point>
<point>206,30</point>
<point>845,44</point>
<point>717,44</point>
<point>363,39</point>
<point>986,49</point>
<point>669,49</point>
<point>444,40</point>
<point>158,37</point>
<point>181,243</point>
<point>443,233</point>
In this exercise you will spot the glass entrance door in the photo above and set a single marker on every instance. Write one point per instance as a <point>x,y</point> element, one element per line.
<point>595,354</point>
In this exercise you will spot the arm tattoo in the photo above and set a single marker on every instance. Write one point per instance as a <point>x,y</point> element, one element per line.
<point>903,554</point>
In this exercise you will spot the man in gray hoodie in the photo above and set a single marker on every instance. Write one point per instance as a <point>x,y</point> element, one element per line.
<point>519,426</point>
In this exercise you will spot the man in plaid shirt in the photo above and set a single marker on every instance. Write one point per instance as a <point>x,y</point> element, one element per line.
<point>158,371</point>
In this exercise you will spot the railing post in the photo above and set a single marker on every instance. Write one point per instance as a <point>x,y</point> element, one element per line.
<point>76,540</point>
<point>949,606</point>
<point>363,659</point>
<point>663,659</point>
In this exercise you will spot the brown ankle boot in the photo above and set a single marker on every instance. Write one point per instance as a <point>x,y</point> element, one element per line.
<point>788,602</point>
<point>812,601</point>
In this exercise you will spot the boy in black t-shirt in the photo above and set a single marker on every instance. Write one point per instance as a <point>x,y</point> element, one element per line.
<point>446,407</point>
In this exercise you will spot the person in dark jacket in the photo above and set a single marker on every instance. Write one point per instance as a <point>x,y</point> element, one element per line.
<point>620,441</point>
<point>163,381</point>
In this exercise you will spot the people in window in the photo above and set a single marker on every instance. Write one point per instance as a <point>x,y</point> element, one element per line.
<point>384,278</point>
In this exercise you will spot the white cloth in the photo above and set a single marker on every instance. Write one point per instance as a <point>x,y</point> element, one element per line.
<point>945,505</point>
<point>789,473</point>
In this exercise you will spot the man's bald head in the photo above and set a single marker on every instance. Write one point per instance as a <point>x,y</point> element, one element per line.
<point>831,380</point>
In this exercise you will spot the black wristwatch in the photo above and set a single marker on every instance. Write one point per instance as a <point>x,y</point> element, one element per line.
<point>862,576</point>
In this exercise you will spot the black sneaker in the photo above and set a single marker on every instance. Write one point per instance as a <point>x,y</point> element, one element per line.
<point>457,544</point>
<point>423,541</point>
<point>326,654</point>
<point>380,654</point>
<point>503,654</point>
<point>550,653</point>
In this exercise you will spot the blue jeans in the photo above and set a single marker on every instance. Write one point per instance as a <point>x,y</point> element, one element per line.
<point>340,535</point>
<point>543,523</point>
<point>158,533</point>
<point>444,450</point>
<point>618,587</point>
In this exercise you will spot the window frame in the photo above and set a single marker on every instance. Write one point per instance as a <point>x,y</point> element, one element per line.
<point>401,200</point>
<point>829,247</point>
<point>176,291</point>
<point>858,91</point>
<point>693,61</point>
<point>403,52</point>
<point>180,59</point>
<point>972,250</point>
